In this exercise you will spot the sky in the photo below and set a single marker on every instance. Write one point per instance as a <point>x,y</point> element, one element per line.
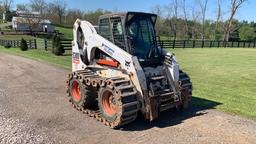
<point>246,12</point>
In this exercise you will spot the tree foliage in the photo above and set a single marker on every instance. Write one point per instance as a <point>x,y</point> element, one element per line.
<point>180,19</point>
<point>57,48</point>
<point>247,33</point>
<point>23,45</point>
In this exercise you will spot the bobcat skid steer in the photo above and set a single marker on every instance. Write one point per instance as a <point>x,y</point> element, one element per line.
<point>119,71</point>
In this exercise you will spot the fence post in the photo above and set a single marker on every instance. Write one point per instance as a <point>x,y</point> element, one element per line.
<point>238,44</point>
<point>202,46</point>
<point>218,44</point>
<point>30,44</point>
<point>35,43</point>
<point>254,44</point>
<point>232,44</point>
<point>45,45</point>
<point>194,44</point>
<point>184,43</point>
<point>244,44</point>
<point>173,45</point>
<point>249,44</point>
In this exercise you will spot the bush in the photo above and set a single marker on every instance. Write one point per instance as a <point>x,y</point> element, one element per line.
<point>8,45</point>
<point>247,33</point>
<point>57,47</point>
<point>23,45</point>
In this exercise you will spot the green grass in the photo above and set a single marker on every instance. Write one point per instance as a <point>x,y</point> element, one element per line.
<point>42,56</point>
<point>68,32</point>
<point>226,76</point>
<point>16,37</point>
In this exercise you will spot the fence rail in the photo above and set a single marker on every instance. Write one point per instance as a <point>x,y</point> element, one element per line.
<point>167,44</point>
<point>204,44</point>
<point>43,44</point>
<point>32,44</point>
<point>66,44</point>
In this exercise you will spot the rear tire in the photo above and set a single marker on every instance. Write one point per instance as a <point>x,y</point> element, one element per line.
<point>81,95</point>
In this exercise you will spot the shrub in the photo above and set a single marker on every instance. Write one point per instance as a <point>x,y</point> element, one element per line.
<point>23,45</point>
<point>8,45</point>
<point>57,47</point>
<point>247,33</point>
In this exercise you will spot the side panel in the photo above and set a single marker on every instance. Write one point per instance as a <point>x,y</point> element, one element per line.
<point>174,67</point>
<point>93,40</point>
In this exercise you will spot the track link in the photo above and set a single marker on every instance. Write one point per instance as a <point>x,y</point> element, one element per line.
<point>122,87</point>
<point>185,82</point>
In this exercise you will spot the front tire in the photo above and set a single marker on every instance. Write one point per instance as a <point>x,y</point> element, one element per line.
<point>186,85</point>
<point>118,103</point>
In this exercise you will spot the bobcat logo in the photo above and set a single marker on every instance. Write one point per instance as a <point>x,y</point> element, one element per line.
<point>127,63</point>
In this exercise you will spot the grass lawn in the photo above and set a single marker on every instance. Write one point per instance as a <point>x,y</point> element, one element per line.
<point>227,76</point>
<point>16,37</point>
<point>224,75</point>
<point>68,32</point>
<point>41,55</point>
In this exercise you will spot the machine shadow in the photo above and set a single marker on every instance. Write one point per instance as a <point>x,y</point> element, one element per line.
<point>173,117</point>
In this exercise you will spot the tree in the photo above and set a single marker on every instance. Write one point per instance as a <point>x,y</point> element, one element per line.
<point>217,22</point>
<point>72,15</point>
<point>1,11</point>
<point>203,8</point>
<point>185,15</point>
<point>22,7</point>
<point>93,16</point>
<point>247,33</point>
<point>58,8</point>
<point>172,11</point>
<point>234,6</point>
<point>39,5</point>
<point>57,47</point>
<point>157,9</point>
<point>7,4</point>
<point>194,23</point>
<point>23,45</point>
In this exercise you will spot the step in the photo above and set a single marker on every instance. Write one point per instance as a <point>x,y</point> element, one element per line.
<point>166,106</point>
<point>129,94</point>
<point>156,78</point>
<point>125,87</point>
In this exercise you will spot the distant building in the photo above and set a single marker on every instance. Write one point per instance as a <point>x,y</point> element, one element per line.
<point>31,21</point>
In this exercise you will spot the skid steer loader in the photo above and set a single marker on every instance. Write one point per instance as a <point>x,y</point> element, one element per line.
<point>120,71</point>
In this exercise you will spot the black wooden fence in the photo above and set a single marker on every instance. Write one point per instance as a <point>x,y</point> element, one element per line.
<point>32,44</point>
<point>46,45</point>
<point>43,44</point>
<point>205,44</point>
<point>66,44</point>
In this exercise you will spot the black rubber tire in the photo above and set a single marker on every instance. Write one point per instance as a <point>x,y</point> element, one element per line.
<point>100,104</point>
<point>185,75</point>
<point>88,94</point>
<point>184,80</point>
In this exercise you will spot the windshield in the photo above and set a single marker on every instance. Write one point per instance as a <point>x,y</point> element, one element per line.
<point>142,36</point>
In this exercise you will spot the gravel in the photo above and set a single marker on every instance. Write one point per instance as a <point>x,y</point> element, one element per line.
<point>34,109</point>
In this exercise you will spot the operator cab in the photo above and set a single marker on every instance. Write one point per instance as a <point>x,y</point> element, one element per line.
<point>135,33</point>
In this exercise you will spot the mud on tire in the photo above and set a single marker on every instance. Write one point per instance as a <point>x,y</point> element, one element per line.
<point>81,95</point>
